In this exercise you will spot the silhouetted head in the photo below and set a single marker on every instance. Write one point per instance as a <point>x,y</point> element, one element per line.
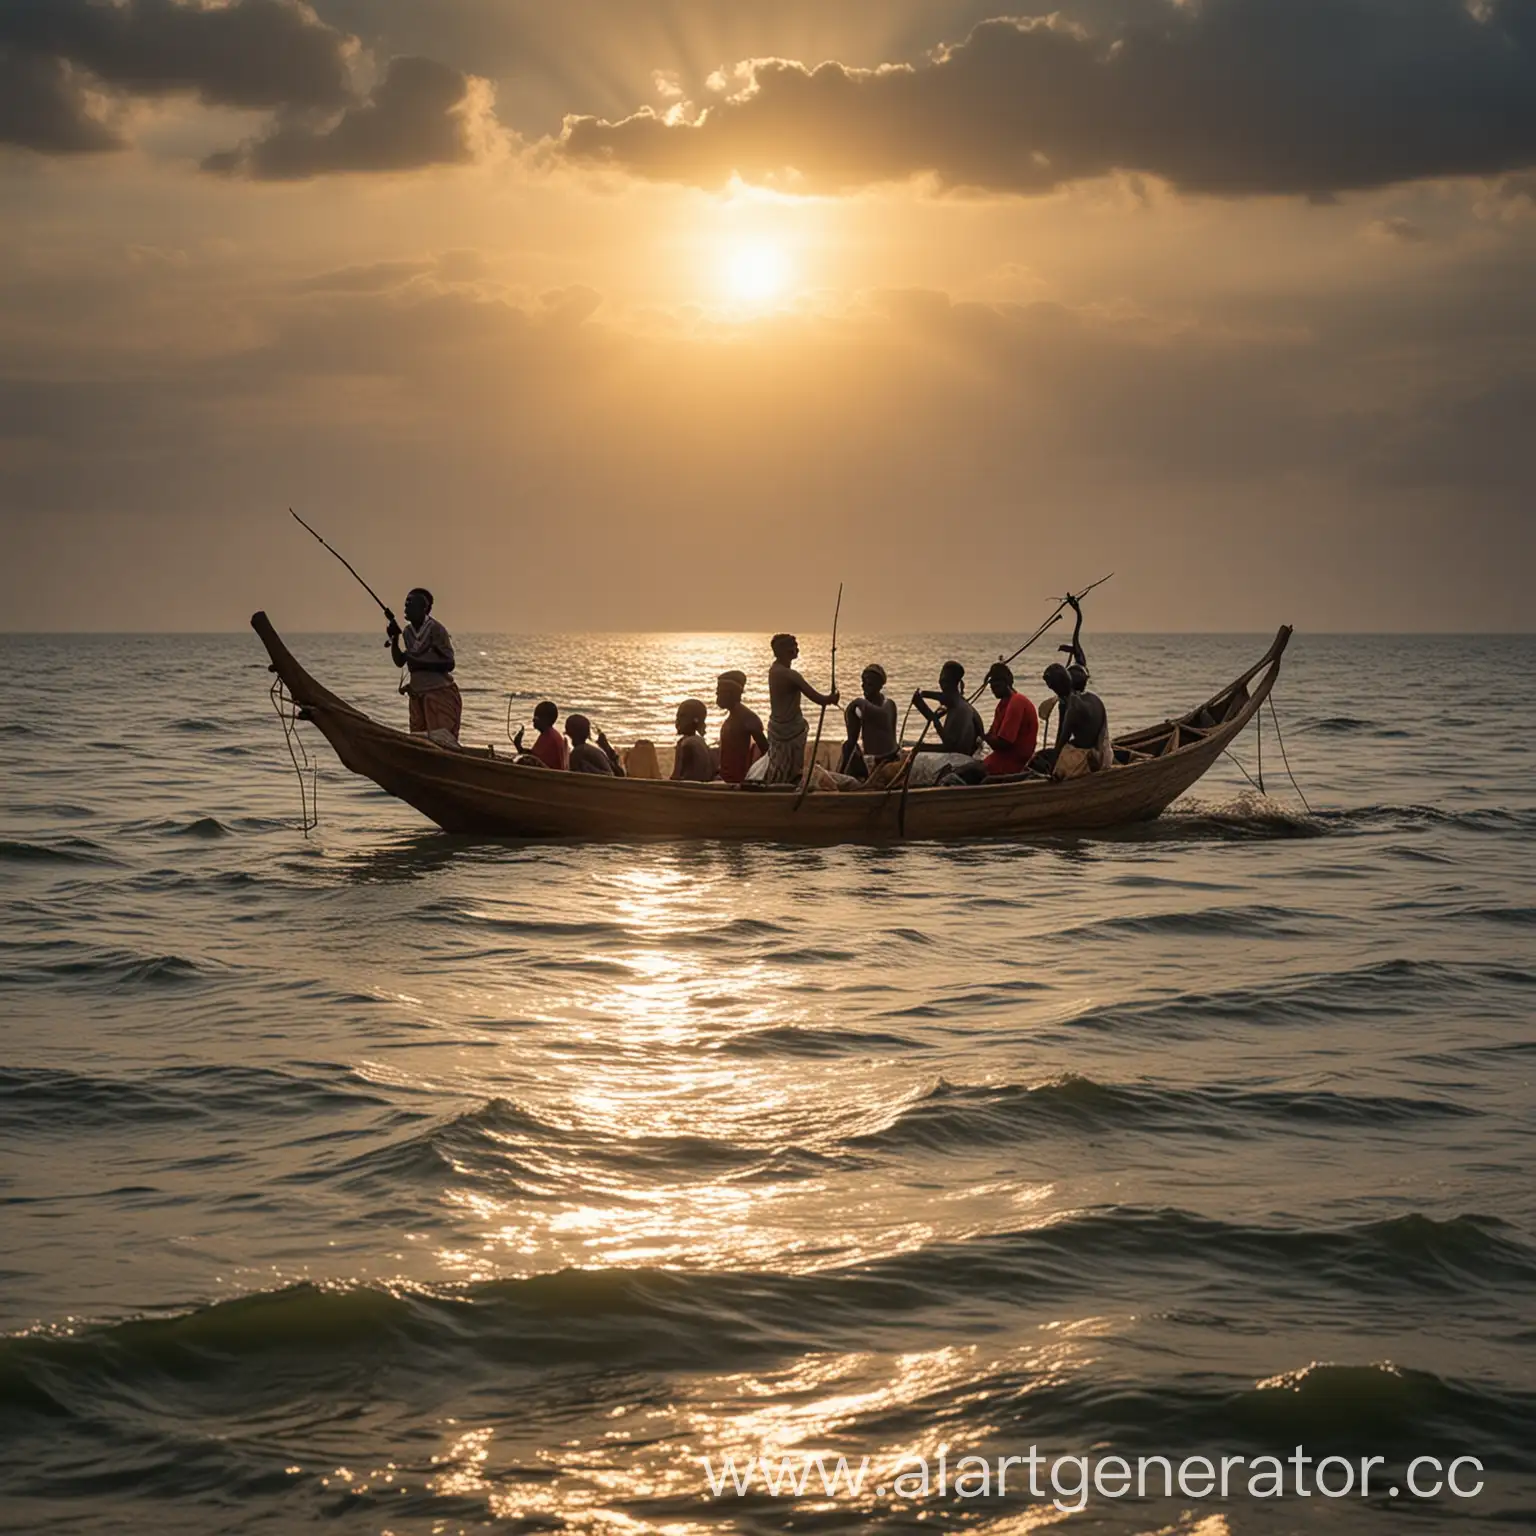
<point>1000,679</point>
<point>1078,676</point>
<point>1056,679</point>
<point>729,687</point>
<point>545,715</point>
<point>951,675</point>
<point>578,728</point>
<point>785,648</point>
<point>873,680</point>
<point>418,604</point>
<point>691,717</point>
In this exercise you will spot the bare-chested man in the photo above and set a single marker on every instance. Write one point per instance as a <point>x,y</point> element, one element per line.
<point>950,712</point>
<point>692,760</point>
<point>742,740</point>
<point>787,730</point>
<point>871,723</point>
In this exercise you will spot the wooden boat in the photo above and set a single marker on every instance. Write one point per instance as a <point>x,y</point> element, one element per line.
<point>476,791</point>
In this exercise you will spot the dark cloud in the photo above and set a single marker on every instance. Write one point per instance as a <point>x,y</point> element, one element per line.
<point>250,53</point>
<point>43,107</point>
<point>1314,97</point>
<point>421,113</point>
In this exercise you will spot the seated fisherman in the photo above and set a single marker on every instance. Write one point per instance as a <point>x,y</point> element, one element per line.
<point>950,712</point>
<point>872,717</point>
<point>425,649</point>
<point>1102,753</point>
<point>692,760</point>
<point>787,730</point>
<point>549,746</point>
<point>742,740</point>
<point>587,757</point>
<point>1015,729</point>
<point>1082,732</point>
<point>959,727</point>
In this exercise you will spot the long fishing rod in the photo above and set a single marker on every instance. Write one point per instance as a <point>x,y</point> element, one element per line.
<point>810,766</point>
<point>1061,608</point>
<point>388,614</point>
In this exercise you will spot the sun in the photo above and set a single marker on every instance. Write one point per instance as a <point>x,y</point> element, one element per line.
<point>756,272</point>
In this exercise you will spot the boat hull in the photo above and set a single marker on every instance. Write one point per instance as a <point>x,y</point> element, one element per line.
<point>475,792</point>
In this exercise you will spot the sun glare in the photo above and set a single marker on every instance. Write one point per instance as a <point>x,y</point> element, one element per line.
<point>756,273</point>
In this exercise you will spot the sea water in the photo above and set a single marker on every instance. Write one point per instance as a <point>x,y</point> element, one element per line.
<point>389,1181</point>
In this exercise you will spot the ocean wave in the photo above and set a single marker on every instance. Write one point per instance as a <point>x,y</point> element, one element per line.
<point>45,1099</point>
<point>1387,988</point>
<point>1246,818</point>
<point>1257,921</point>
<point>1330,1408</point>
<point>654,1319</point>
<point>1487,819</point>
<point>1336,724</point>
<point>67,850</point>
<point>1249,817</point>
<point>201,826</point>
<point>951,1116</point>
<point>1513,917</point>
<point>110,968</point>
<point>510,1148</point>
<point>798,1040</point>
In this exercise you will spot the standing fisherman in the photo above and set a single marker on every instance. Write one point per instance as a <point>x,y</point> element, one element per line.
<point>425,649</point>
<point>787,731</point>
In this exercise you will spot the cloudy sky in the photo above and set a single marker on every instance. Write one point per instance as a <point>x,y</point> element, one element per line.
<point>671,315</point>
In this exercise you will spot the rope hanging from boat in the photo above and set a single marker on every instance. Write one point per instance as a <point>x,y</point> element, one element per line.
<point>1242,770</point>
<point>1283,758</point>
<point>1258,728</point>
<point>309,795</point>
<point>810,765</point>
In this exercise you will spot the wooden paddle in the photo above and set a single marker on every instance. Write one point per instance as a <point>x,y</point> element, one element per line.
<point>810,766</point>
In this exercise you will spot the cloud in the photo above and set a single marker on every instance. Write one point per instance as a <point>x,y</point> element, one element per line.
<point>422,113</point>
<point>1312,97</point>
<point>248,53</point>
<point>44,107</point>
<point>64,64</point>
<point>1396,230</point>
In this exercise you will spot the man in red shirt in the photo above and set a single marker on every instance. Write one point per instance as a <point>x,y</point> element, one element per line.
<point>1015,725</point>
<point>549,748</point>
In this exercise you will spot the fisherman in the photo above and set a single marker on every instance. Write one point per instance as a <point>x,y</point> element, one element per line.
<point>1088,713</point>
<point>692,761</point>
<point>950,712</point>
<point>1082,733</point>
<point>871,723</point>
<point>742,740</point>
<point>955,718</point>
<point>425,649</point>
<point>587,757</point>
<point>1015,731</point>
<point>786,723</point>
<point>549,746</point>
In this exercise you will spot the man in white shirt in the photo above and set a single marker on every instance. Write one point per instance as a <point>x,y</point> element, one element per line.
<point>425,649</point>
